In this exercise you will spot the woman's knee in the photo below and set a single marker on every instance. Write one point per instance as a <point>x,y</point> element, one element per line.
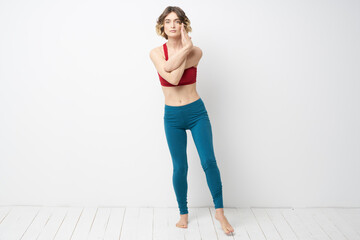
<point>209,163</point>
<point>180,169</point>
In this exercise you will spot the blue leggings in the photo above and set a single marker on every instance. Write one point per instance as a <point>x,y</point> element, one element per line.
<point>193,116</point>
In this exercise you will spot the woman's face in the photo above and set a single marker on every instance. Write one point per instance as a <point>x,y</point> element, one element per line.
<point>172,25</point>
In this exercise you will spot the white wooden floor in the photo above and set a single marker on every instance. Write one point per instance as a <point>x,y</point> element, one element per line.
<point>65,223</point>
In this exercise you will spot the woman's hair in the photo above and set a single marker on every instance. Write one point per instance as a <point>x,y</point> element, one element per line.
<point>181,15</point>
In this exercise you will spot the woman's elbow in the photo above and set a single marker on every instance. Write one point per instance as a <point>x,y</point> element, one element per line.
<point>166,67</point>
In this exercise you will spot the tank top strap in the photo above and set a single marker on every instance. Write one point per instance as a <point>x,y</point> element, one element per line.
<point>165,51</point>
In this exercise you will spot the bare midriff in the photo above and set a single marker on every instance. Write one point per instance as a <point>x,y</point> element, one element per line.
<point>180,95</point>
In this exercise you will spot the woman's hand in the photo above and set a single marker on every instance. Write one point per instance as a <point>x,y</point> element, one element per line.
<point>185,39</point>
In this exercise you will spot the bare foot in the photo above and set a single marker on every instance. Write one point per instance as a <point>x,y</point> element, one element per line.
<point>225,225</point>
<point>183,222</point>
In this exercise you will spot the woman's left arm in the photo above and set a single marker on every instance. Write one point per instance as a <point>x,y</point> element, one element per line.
<point>194,58</point>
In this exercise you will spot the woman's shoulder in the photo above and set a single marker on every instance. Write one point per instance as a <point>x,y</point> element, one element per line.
<point>157,53</point>
<point>197,49</point>
<point>156,50</point>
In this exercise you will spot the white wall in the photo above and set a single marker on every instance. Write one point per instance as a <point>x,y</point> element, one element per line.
<point>81,106</point>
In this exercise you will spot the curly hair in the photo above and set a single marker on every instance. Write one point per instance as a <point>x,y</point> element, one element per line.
<point>181,15</point>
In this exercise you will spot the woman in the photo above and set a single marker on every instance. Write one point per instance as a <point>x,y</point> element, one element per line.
<point>176,62</point>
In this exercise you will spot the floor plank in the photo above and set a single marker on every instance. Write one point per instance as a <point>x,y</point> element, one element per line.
<point>53,224</point>
<point>69,224</point>
<point>351,216</point>
<point>15,224</point>
<point>206,225</point>
<point>316,232</point>
<point>265,224</point>
<point>296,224</point>
<point>328,227</point>
<point>37,226</point>
<point>341,224</point>
<point>84,223</point>
<point>280,223</point>
<point>115,223</point>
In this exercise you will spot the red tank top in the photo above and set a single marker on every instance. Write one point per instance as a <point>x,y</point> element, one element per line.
<point>188,77</point>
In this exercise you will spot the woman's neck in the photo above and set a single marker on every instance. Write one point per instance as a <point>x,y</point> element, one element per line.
<point>174,43</point>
